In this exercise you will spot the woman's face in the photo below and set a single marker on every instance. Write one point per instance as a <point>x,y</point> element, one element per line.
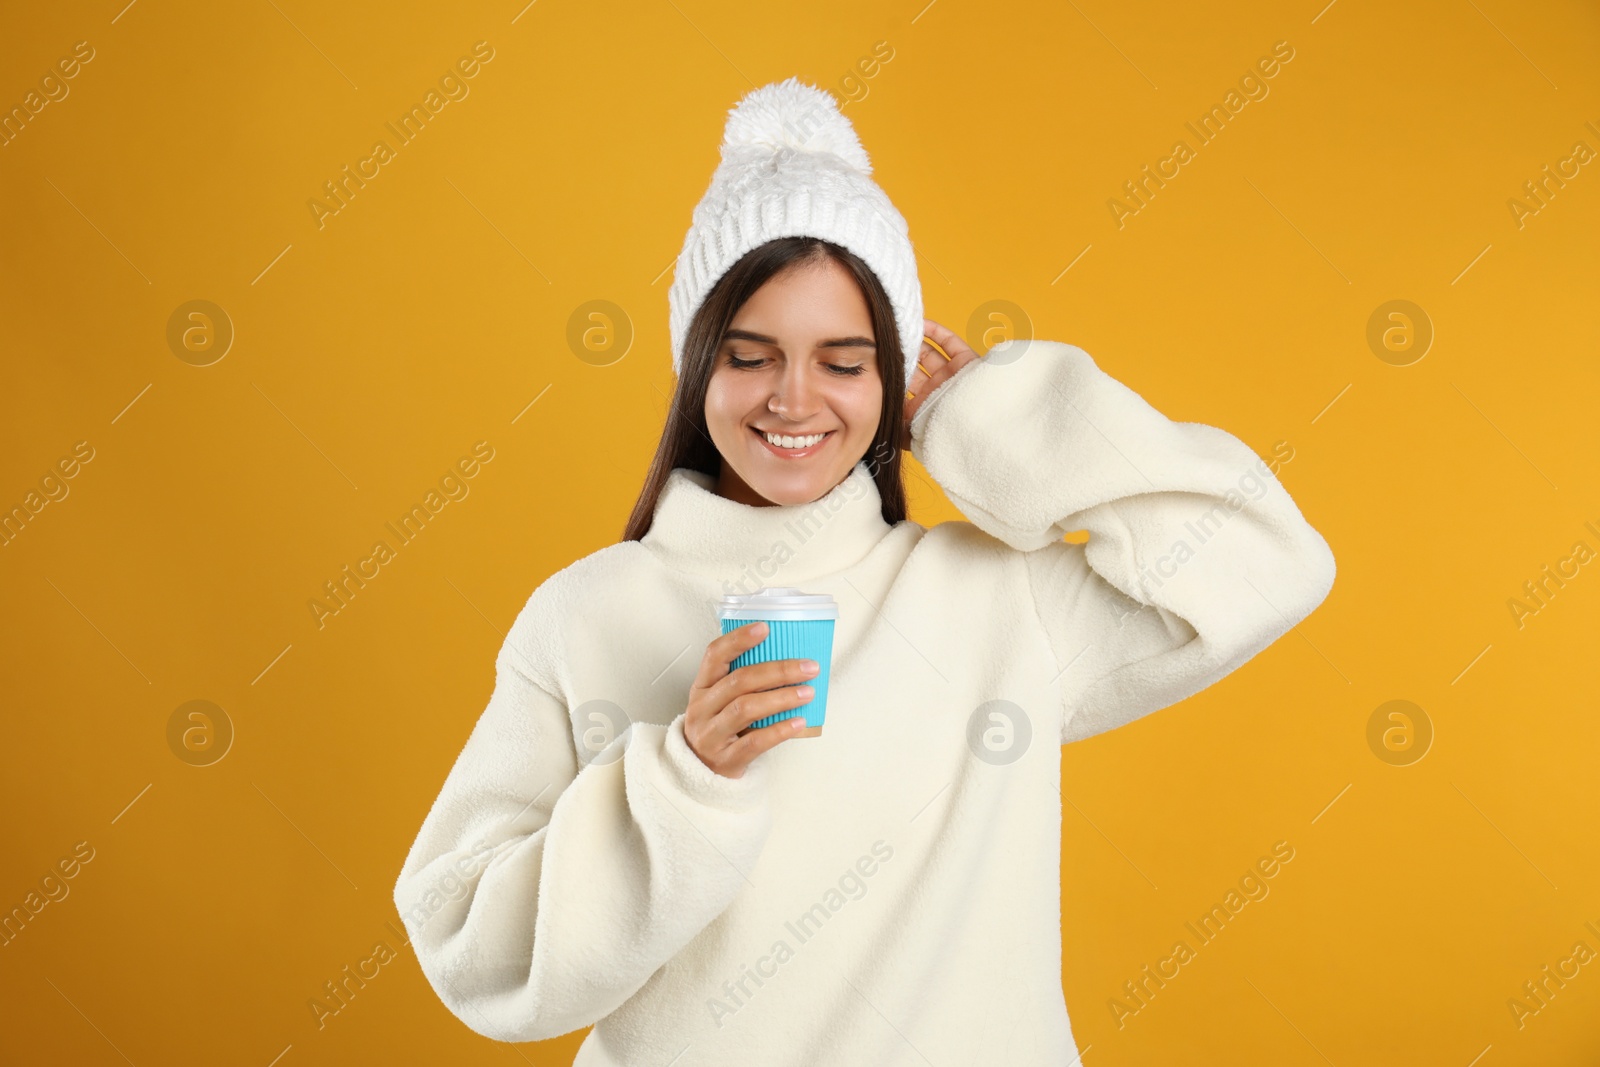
<point>798,360</point>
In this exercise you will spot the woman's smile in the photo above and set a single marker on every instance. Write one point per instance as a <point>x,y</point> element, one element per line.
<point>799,445</point>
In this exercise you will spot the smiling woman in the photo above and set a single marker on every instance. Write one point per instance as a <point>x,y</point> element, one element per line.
<point>634,881</point>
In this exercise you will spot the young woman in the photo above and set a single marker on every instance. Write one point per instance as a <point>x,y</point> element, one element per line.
<point>616,845</point>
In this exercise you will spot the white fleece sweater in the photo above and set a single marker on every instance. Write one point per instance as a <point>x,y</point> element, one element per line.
<point>889,892</point>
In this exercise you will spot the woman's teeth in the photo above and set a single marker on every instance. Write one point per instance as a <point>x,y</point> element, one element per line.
<point>794,442</point>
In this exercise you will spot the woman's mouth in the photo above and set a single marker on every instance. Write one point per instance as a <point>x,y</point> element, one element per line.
<point>792,446</point>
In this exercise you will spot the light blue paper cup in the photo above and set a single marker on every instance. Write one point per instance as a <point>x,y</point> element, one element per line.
<point>799,626</point>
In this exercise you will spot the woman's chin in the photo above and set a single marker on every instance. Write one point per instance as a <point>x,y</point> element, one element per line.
<point>790,495</point>
<point>794,487</point>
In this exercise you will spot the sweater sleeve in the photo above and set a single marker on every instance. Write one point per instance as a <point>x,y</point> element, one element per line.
<point>539,896</point>
<point>1197,558</point>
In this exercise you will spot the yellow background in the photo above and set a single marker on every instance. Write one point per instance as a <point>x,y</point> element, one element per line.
<point>372,352</point>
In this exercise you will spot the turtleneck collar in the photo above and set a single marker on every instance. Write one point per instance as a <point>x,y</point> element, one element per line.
<point>747,547</point>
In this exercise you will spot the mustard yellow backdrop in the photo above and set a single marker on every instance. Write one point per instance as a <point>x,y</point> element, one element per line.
<point>278,273</point>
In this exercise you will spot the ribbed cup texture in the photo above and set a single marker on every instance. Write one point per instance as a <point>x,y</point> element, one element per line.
<point>793,639</point>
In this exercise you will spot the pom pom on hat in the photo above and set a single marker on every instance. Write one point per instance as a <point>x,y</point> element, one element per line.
<point>791,166</point>
<point>788,114</point>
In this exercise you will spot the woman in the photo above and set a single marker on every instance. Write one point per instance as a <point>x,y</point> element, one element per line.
<point>616,846</point>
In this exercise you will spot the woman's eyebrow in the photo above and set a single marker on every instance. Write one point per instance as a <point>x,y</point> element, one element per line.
<point>833,342</point>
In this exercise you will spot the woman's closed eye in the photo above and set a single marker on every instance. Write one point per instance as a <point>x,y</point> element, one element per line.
<point>840,369</point>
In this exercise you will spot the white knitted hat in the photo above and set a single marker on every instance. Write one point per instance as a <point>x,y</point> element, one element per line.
<point>793,166</point>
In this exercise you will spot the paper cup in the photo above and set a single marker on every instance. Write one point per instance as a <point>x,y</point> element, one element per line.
<point>799,626</point>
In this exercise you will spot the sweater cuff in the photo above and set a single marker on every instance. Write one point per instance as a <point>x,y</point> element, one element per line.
<point>995,434</point>
<point>919,421</point>
<point>689,773</point>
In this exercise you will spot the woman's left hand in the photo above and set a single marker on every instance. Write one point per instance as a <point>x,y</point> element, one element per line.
<point>933,369</point>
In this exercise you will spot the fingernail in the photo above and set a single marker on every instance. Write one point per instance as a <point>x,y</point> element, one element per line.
<point>810,667</point>
<point>805,691</point>
<point>759,628</point>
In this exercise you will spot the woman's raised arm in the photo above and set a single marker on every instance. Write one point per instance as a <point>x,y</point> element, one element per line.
<point>1197,558</point>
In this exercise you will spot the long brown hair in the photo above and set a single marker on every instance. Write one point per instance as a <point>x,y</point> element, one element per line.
<point>686,439</point>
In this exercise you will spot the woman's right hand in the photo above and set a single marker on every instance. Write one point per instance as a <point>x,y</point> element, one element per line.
<point>723,703</point>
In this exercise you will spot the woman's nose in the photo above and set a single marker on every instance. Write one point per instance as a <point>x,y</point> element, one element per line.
<point>794,396</point>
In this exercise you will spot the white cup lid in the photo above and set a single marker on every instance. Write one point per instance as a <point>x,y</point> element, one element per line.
<point>778,602</point>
